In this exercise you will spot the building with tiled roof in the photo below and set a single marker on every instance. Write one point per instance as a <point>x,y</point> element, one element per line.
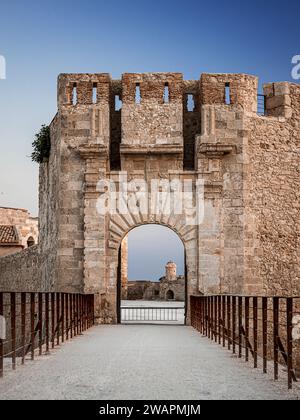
<point>18,230</point>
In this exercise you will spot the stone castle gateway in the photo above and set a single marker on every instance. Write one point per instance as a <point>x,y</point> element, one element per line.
<point>159,126</point>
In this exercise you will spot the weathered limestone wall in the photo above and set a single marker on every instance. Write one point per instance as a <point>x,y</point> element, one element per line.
<point>272,195</point>
<point>27,271</point>
<point>152,122</point>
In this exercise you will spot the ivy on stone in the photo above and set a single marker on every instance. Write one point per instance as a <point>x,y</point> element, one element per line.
<point>41,145</point>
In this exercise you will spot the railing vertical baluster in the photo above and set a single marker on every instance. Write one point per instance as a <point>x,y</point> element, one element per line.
<point>77,310</point>
<point>57,317</point>
<point>228,322</point>
<point>32,315</point>
<point>275,334</point>
<point>216,318</point>
<point>233,301</point>
<point>62,317</point>
<point>67,315</point>
<point>13,328</point>
<point>71,315</point>
<point>289,329</point>
<point>246,328</point>
<point>223,320</point>
<point>47,321</point>
<point>53,319</point>
<point>265,331</point>
<point>1,340</point>
<point>80,313</point>
<point>240,316</point>
<point>40,322</point>
<point>23,325</point>
<point>255,331</point>
<point>209,318</point>
<point>219,319</point>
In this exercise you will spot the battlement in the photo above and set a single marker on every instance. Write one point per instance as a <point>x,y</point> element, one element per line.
<point>88,89</point>
<point>159,113</point>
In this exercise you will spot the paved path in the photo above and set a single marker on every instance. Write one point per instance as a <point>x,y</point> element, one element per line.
<point>140,362</point>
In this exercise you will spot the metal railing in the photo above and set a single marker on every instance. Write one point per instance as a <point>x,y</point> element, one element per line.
<point>248,325</point>
<point>261,104</point>
<point>40,321</point>
<point>150,314</point>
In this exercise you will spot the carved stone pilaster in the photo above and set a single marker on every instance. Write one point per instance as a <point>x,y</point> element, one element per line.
<point>95,156</point>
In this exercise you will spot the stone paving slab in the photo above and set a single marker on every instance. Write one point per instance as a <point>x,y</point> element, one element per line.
<point>141,362</point>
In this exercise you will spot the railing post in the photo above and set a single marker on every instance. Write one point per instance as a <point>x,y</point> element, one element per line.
<point>208,316</point>
<point>289,330</point>
<point>71,314</point>
<point>205,316</point>
<point>57,317</point>
<point>233,300</point>
<point>246,328</point>
<point>23,325</point>
<point>80,314</point>
<point>265,331</point>
<point>223,321</point>
<point>1,340</point>
<point>32,315</point>
<point>240,316</point>
<point>62,317</point>
<point>228,322</point>
<point>53,319</point>
<point>40,324</point>
<point>219,319</point>
<point>255,331</point>
<point>67,316</point>
<point>47,321</point>
<point>216,318</point>
<point>275,334</point>
<point>77,311</point>
<point>13,328</point>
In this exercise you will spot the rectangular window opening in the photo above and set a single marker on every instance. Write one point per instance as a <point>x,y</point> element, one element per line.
<point>190,102</point>
<point>166,94</point>
<point>227,94</point>
<point>74,94</point>
<point>94,93</point>
<point>118,103</point>
<point>137,94</point>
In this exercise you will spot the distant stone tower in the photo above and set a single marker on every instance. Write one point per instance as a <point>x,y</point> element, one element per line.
<point>171,271</point>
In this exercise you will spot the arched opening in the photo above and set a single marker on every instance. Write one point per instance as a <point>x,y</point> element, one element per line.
<point>30,241</point>
<point>151,265</point>
<point>170,295</point>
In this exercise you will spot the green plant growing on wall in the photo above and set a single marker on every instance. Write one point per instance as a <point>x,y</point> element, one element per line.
<point>41,145</point>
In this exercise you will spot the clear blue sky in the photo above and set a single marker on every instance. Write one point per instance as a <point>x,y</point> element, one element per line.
<point>41,39</point>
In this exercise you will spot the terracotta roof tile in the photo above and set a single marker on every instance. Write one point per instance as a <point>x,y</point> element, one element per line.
<point>8,234</point>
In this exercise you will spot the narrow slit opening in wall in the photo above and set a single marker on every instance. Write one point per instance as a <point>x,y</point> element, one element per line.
<point>227,94</point>
<point>118,103</point>
<point>166,94</point>
<point>137,94</point>
<point>190,102</point>
<point>94,93</point>
<point>74,94</point>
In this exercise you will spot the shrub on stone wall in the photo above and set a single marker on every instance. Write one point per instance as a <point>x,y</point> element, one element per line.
<point>41,145</point>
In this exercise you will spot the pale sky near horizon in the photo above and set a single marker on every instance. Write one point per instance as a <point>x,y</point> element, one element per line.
<point>39,40</point>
